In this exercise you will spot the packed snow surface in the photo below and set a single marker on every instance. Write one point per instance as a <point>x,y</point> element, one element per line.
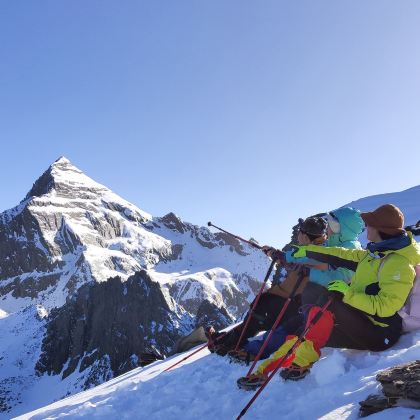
<point>204,386</point>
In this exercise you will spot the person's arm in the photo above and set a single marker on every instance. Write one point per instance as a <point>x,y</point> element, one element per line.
<point>304,260</point>
<point>396,278</point>
<point>323,277</point>
<point>335,256</point>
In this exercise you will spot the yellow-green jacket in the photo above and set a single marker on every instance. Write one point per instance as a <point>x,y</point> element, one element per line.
<point>382,280</point>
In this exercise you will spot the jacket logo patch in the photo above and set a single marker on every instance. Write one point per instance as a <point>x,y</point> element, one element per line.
<point>396,276</point>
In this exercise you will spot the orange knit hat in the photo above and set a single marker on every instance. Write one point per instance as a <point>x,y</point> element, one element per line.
<point>387,219</point>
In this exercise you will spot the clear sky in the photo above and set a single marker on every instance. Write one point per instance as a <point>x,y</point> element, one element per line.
<point>246,113</point>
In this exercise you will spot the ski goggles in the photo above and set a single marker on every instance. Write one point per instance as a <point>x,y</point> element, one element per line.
<point>333,222</point>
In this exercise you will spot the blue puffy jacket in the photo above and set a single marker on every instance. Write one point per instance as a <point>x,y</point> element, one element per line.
<point>351,226</point>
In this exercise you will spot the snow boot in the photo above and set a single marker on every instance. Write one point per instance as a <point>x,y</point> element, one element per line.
<point>221,342</point>
<point>148,358</point>
<point>241,357</point>
<point>294,372</point>
<point>212,336</point>
<point>252,382</point>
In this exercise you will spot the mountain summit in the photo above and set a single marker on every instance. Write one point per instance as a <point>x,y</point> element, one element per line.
<point>65,180</point>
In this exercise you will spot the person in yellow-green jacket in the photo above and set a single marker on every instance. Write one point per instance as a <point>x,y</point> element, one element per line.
<point>362,315</point>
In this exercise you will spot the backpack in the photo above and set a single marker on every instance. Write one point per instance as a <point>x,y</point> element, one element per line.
<point>410,312</point>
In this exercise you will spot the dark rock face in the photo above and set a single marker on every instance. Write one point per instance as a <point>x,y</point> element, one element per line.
<point>21,249</point>
<point>209,313</point>
<point>107,326</point>
<point>400,387</point>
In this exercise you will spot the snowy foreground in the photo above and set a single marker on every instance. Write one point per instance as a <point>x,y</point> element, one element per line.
<point>205,387</point>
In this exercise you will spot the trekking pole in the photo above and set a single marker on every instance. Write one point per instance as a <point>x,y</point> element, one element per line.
<point>187,357</point>
<point>256,300</point>
<point>301,276</point>
<point>314,320</point>
<point>255,245</point>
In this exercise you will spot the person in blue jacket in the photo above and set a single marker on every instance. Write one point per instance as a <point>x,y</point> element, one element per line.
<point>344,226</point>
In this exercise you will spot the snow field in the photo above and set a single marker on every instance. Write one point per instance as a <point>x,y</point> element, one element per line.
<point>205,387</point>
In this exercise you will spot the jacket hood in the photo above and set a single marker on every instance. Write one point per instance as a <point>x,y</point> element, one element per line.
<point>351,225</point>
<point>411,251</point>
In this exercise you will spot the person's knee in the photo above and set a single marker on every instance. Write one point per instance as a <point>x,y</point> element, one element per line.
<point>312,293</point>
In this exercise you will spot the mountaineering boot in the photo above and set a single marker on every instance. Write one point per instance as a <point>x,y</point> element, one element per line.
<point>294,372</point>
<point>221,342</point>
<point>241,357</point>
<point>252,382</point>
<point>212,336</point>
<point>148,358</point>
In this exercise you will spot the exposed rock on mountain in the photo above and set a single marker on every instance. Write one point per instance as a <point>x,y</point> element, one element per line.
<point>111,322</point>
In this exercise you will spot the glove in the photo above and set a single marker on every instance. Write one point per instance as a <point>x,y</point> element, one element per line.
<point>268,250</point>
<point>299,251</point>
<point>279,256</point>
<point>274,253</point>
<point>339,286</point>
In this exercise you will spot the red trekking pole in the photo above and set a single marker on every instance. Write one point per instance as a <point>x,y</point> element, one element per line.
<point>301,276</point>
<point>186,357</point>
<point>255,245</point>
<point>256,300</point>
<point>315,319</point>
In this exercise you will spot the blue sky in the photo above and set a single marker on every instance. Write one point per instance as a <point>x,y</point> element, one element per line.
<point>249,114</point>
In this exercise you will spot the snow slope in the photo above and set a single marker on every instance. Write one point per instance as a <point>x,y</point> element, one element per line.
<point>408,201</point>
<point>205,387</point>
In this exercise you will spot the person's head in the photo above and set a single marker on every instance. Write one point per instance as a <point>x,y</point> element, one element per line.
<point>344,224</point>
<point>384,223</point>
<point>312,230</point>
<point>333,224</point>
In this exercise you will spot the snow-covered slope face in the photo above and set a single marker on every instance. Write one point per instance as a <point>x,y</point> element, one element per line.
<point>408,201</point>
<point>204,386</point>
<point>70,230</point>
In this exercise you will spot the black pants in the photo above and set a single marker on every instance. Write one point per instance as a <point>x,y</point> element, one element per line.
<point>352,327</point>
<point>263,318</point>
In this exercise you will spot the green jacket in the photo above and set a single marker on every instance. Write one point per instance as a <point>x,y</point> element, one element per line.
<point>382,280</point>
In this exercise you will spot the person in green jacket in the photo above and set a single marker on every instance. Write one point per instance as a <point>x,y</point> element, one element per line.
<point>362,315</point>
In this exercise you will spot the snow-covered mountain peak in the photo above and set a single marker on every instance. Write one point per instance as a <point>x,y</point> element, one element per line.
<point>63,179</point>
